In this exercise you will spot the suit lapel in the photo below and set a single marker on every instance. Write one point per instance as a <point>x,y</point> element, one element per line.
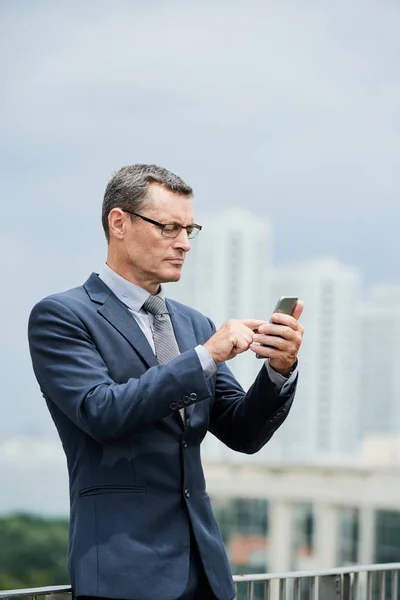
<point>185,336</point>
<point>123,321</point>
<point>119,317</point>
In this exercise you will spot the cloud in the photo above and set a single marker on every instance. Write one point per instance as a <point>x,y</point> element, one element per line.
<point>292,109</point>
<point>305,96</point>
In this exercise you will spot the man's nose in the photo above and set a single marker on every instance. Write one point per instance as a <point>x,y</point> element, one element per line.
<point>182,241</point>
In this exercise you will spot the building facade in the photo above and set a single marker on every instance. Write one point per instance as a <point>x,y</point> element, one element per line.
<point>380,356</point>
<point>325,415</point>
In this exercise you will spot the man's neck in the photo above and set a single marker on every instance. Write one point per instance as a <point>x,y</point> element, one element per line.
<point>152,287</point>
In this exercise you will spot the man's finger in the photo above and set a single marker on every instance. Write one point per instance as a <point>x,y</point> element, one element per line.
<point>298,310</point>
<point>290,321</point>
<point>280,330</point>
<point>253,324</point>
<point>270,340</point>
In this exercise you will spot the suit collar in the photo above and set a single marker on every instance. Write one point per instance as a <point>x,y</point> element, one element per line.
<point>99,291</point>
<point>130,294</point>
<point>96,289</point>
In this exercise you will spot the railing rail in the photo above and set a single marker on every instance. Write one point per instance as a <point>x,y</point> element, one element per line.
<point>364,582</point>
<point>48,591</point>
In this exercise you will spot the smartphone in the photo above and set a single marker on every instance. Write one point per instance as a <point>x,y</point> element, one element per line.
<point>285,305</point>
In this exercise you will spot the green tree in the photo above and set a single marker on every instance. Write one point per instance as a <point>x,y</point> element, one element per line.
<point>33,551</point>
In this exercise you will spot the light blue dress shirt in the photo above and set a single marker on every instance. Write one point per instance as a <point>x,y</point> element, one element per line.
<point>133,296</point>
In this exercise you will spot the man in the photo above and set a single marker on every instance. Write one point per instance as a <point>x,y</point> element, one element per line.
<point>133,382</point>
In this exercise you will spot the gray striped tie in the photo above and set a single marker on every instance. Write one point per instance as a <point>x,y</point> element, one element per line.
<point>163,334</point>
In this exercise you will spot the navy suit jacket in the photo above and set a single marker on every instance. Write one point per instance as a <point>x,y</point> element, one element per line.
<point>136,478</point>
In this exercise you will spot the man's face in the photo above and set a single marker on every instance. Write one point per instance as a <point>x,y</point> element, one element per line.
<point>150,257</point>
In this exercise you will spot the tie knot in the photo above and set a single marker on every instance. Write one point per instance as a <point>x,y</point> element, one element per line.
<point>155,305</point>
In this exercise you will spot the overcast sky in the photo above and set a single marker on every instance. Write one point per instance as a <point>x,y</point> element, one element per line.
<point>289,108</point>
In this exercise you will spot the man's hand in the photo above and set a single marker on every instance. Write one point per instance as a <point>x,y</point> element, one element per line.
<point>283,337</point>
<point>233,338</point>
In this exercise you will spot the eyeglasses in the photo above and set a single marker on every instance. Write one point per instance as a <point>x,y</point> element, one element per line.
<point>170,230</point>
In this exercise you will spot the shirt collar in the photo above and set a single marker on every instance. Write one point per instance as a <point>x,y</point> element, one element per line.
<point>130,294</point>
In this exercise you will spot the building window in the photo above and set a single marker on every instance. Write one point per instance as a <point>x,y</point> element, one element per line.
<point>303,535</point>
<point>348,538</point>
<point>244,527</point>
<point>387,547</point>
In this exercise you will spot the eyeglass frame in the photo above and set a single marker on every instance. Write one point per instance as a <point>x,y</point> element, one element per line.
<point>162,225</point>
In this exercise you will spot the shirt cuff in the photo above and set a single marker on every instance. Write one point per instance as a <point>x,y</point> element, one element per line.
<point>207,362</point>
<point>283,385</point>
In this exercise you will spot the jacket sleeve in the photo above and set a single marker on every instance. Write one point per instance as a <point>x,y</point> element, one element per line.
<point>73,375</point>
<point>246,421</point>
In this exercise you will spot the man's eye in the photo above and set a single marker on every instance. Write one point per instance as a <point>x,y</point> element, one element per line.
<point>172,228</point>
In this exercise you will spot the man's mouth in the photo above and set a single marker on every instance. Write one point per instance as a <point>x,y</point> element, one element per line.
<point>176,261</point>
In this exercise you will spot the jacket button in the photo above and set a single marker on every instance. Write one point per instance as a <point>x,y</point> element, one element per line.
<point>187,493</point>
<point>173,406</point>
<point>179,404</point>
<point>184,445</point>
<point>193,396</point>
<point>186,399</point>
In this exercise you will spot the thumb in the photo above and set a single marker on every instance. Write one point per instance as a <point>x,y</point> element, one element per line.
<point>298,310</point>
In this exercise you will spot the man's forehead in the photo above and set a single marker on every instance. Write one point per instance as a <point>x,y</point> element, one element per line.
<point>168,204</point>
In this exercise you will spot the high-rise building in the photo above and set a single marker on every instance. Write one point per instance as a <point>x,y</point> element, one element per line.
<point>380,356</point>
<point>325,416</point>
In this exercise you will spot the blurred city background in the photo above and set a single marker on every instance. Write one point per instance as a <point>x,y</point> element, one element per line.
<point>285,118</point>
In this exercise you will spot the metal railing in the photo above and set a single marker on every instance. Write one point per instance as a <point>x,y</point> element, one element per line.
<point>367,582</point>
<point>57,592</point>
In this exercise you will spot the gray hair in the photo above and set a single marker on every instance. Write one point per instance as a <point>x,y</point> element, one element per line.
<point>128,188</point>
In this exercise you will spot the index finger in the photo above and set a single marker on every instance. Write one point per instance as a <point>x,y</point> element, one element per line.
<point>253,324</point>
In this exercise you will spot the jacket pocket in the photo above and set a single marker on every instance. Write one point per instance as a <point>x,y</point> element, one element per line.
<point>112,489</point>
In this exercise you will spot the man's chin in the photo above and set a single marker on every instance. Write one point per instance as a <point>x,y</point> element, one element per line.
<point>172,275</point>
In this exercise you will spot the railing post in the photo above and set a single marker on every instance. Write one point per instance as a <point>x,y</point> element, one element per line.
<point>382,586</point>
<point>345,592</point>
<point>394,584</point>
<point>297,589</point>
<point>267,590</point>
<point>313,588</point>
<point>370,581</point>
<point>355,587</point>
<point>282,589</point>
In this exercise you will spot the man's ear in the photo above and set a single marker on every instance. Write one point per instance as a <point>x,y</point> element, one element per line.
<point>117,223</point>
